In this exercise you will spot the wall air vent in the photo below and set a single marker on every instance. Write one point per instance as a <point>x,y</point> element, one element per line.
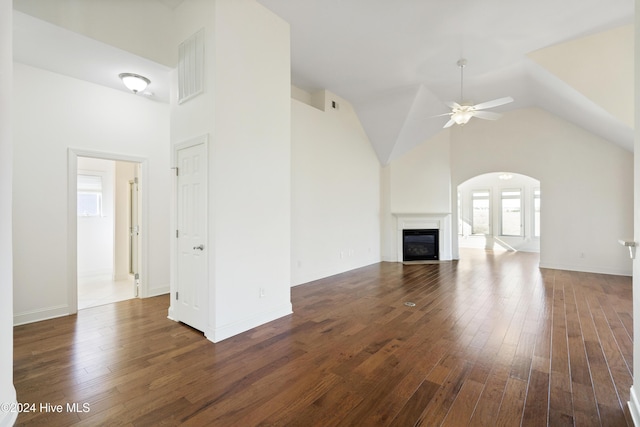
<point>191,67</point>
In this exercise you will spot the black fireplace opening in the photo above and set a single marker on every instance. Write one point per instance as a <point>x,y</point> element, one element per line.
<point>420,245</point>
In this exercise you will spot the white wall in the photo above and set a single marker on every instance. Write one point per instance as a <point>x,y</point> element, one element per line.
<point>246,112</point>
<point>335,194</point>
<point>419,179</point>
<point>52,113</point>
<point>7,391</point>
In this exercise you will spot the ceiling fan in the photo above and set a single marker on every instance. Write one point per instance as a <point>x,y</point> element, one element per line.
<point>461,113</point>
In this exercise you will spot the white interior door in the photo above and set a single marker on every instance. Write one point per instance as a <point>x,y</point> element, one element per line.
<point>191,296</point>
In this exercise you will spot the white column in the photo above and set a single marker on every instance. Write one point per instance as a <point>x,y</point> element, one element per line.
<point>7,391</point>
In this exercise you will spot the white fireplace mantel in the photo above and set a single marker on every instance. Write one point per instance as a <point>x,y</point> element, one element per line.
<point>416,221</point>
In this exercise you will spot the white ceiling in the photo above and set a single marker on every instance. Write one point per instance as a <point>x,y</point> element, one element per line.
<point>395,61</point>
<point>44,45</point>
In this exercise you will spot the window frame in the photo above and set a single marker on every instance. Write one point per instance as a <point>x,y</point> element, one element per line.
<point>460,215</point>
<point>536,195</point>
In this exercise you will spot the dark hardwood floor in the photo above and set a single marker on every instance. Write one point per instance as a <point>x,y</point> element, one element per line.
<point>492,340</point>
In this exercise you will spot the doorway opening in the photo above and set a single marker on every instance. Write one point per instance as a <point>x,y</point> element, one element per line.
<point>501,212</point>
<point>108,230</point>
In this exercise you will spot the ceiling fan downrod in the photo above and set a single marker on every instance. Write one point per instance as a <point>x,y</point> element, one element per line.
<point>462,63</point>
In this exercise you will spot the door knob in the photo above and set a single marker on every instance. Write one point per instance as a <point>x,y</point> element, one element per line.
<point>201,247</point>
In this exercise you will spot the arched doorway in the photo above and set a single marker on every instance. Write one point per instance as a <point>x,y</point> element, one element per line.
<point>499,211</point>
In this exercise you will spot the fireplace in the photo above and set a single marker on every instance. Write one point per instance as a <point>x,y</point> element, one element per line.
<point>436,222</point>
<point>420,245</point>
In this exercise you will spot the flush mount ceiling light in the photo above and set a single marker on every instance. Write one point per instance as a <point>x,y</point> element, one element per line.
<point>134,82</point>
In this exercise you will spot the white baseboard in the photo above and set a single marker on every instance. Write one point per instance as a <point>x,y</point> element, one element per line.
<point>41,314</point>
<point>634,407</point>
<point>171,314</point>
<point>585,269</point>
<point>227,331</point>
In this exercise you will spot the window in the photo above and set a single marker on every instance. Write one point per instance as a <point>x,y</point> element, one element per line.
<point>536,212</point>
<point>480,212</point>
<point>89,195</point>
<point>511,212</point>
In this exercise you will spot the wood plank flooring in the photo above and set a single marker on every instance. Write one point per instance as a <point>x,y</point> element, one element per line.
<point>492,340</point>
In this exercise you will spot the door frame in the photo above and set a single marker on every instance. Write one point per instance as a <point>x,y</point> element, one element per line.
<point>173,313</point>
<point>72,219</point>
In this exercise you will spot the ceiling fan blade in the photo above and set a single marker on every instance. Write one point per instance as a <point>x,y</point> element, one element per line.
<point>448,124</point>
<point>487,115</point>
<point>440,115</point>
<point>494,103</point>
<point>452,104</point>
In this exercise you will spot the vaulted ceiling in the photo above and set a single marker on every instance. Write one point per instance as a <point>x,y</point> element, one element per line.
<point>394,61</point>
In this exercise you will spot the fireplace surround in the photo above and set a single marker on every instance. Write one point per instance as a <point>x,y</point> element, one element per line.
<point>424,221</point>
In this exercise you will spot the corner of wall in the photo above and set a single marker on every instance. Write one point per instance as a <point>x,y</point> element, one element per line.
<point>227,331</point>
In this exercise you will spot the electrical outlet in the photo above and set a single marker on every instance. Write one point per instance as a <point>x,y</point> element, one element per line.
<point>262,293</point>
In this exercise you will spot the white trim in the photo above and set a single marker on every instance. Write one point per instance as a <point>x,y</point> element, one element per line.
<point>230,330</point>
<point>634,407</point>
<point>41,314</point>
<point>171,314</point>
<point>586,269</point>
<point>72,220</point>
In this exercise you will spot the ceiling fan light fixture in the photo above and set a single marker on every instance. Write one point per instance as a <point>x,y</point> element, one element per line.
<point>462,117</point>
<point>134,82</point>
<point>461,114</point>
